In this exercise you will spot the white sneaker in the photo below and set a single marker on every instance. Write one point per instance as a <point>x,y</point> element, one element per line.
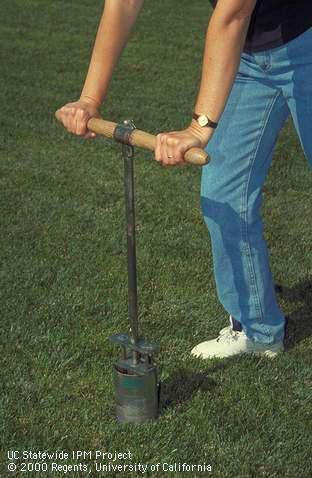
<point>226,330</point>
<point>232,342</point>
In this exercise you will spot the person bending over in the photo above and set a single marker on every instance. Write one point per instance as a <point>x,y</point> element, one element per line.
<point>256,70</point>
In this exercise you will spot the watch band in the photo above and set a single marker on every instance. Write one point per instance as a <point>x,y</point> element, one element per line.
<point>209,123</point>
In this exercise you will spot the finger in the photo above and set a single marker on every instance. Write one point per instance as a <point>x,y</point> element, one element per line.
<point>69,120</point>
<point>157,151</point>
<point>179,155</point>
<point>177,148</point>
<point>165,151</point>
<point>64,116</point>
<point>175,151</point>
<point>81,123</point>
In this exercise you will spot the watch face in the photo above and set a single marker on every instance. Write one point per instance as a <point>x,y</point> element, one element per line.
<point>202,120</point>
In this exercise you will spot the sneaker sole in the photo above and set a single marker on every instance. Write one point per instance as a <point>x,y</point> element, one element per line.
<point>269,353</point>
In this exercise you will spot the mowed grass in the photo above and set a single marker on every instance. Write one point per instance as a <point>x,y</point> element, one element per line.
<point>63,260</point>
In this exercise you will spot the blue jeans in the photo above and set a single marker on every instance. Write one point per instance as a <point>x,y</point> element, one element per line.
<point>269,86</point>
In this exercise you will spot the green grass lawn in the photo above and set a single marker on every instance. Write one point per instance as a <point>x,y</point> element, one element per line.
<point>63,265</point>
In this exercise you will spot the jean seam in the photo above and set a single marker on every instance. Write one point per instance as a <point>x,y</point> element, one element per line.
<point>244,211</point>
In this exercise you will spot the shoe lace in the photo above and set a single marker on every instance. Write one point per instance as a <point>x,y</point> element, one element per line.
<point>229,335</point>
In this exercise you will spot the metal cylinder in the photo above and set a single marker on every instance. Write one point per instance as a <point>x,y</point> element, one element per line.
<point>137,396</point>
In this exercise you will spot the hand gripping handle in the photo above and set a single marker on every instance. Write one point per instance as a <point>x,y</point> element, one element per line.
<point>196,156</point>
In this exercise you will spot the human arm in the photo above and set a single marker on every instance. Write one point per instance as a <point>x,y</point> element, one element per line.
<point>224,42</point>
<point>116,24</point>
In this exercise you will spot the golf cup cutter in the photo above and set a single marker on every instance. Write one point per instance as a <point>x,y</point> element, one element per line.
<point>137,386</point>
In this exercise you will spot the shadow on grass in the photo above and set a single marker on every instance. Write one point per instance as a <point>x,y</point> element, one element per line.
<point>299,323</point>
<point>182,385</point>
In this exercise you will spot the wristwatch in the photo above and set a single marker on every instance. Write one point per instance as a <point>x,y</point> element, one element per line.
<point>203,121</point>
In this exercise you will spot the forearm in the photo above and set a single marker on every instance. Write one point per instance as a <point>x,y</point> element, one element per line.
<point>223,47</point>
<point>114,29</point>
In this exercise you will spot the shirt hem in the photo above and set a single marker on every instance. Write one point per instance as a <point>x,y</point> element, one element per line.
<point>273,44</point>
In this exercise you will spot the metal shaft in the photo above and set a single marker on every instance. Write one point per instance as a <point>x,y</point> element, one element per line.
<point>131,245</point>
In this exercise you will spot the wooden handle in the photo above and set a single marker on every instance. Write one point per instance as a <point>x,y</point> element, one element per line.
<point>196,156</point>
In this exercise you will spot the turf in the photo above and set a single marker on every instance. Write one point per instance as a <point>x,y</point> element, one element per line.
<point>63,265</point>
